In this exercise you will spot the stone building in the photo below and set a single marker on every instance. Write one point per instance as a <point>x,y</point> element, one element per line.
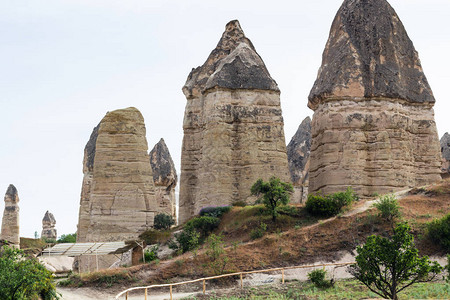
<point>48,226</point>
<point>10,221</point>
<point>373,126</point>
<point>233,127</point>
<point>164,177</point>
<point>298,151</point>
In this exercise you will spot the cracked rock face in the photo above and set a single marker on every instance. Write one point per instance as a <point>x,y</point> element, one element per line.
<point>164,177</point>
<point>298,151</point>
<point>445,150</point>
<point>233,128</point>
<point>373,126</point>
<point>118,194</point>
<point>10,221</point>
<point>48,226</point>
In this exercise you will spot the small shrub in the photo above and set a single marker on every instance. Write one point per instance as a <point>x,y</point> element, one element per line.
<point>258,232</point>
<point>329,205</point>
<point>216,254</point>
<point>214,211</point>
<point>439,232</point>
<point>317,277</point>
<point>163,221</point>
<point>152,236</point>
<point>187,240</point>
<point>204,225</point>
<point>388,208</point>
<point>287,210</point>
<point>239,203</point>
<point>151,254</point>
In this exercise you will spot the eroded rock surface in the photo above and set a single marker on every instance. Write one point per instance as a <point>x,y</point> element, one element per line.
<point>373,126</point>
<point>298,151</point>
<point>164,177</point>
<point>118,195</point>
<point>445,150</point>
<point>233,128</point>
<point>48,226</point>
<point>10,221</point>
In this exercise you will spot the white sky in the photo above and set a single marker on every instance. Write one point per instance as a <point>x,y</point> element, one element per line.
<point>64,64</point>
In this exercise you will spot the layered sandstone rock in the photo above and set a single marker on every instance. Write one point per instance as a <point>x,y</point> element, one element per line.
<point>10,222</point>
<point>445,150</point>
<point>48,226</point>
<point>298,151</point>
<point>164,178</point>
<point>373,126</point>
<point>118,196</point>
<point>233,128</point>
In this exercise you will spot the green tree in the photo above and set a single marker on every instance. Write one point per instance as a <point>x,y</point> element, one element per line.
<point>68,238</point>
<point>163,221</point>
<point>24,278</point>
<point>387,266</point>
<point>216,254</point>
<point>272,194</point>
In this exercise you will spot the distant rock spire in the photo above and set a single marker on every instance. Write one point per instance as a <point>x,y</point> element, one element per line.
<point>164,177</point>
<point>10,222</point>
<point>369,54</point>
<point>48,226</point>
<point>445,150</point>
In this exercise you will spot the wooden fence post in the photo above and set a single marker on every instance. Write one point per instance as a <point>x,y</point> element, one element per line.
<point>171,292</point>
<point>282,276</point>
<point>126,296</point>
<point>146,294</point>
<point>242,282</point>
<point>204,286</point>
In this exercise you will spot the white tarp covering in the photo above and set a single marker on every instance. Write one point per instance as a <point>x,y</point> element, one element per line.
<point>77,249</point>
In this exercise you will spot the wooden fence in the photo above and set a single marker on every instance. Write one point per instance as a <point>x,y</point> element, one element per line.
<point>240,274</point>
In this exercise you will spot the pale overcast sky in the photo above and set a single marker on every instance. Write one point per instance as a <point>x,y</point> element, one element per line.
<point>65,63</point>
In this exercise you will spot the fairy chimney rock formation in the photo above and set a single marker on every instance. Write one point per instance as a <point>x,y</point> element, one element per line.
<point>10,222</point>
<point>298,151</point>
<point>164,177</point>
<point>373,126</point>
<point>48,226</point>
<point>118,194</point>
<point>445,150</point>
<point>233,127</point>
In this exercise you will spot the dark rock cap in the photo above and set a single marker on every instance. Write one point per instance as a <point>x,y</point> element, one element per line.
<point>11,191</point>
<point>163,168</point>
<point>299,149</point>
<point>89,150</point>
<point>48,217</point>
<point>233,64</point>
<point>369,54</point>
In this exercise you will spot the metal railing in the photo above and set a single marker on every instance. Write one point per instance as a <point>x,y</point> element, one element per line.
<point>240,274</point>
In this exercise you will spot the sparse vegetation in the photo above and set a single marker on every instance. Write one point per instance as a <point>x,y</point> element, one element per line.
<point>151,254</point>
<point>163,221</point>
<point>388,208</point>
<point>387,266</point>
<point>153,236</point>
<point>329,205</point>
<point>24,277</point>
<point>439,232</point>
<point>216,254</point>
<point>317,277</point>
<point>272,194</point>
<point>258,232</point>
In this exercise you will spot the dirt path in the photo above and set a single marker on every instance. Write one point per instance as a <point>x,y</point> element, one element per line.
<point>90,293</point>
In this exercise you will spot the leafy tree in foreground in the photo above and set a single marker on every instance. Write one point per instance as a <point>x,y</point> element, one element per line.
<point>387,266</point>
<point>274,193</point>
<point>24,278</point>
<point>163,221</point>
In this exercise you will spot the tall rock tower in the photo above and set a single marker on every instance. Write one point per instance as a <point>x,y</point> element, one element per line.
<point>10,221</point>
<point>373,126</point>
<point>233,128</point>
<point>118,194</point>
<point>298,151</point>
<point>445,150</point>
<point>164,177</point>
<point>48,226</point>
